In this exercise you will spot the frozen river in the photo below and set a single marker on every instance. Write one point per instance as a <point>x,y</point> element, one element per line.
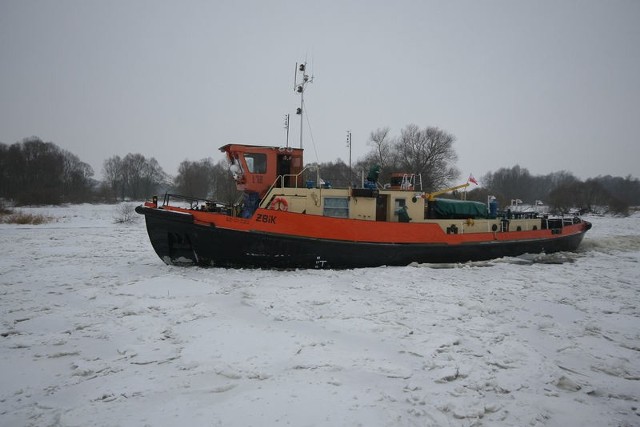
<point>96,330</point>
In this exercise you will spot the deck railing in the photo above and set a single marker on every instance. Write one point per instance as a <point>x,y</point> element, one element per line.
<point>281,179</point>
<point>195,203</point>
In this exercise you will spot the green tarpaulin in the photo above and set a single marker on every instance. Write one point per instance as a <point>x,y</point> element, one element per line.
<point>458,209</point>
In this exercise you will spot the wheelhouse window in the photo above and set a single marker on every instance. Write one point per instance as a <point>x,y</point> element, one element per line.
<point>256,162</point>
<point>337,207</point>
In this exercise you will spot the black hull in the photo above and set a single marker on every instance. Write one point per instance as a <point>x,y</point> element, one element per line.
<point>178,241</point>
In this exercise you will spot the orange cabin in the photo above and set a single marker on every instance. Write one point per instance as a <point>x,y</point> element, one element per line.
<point>256,168</point>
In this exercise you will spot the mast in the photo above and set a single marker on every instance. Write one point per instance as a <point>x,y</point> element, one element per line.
<point>349,145</point>
<point>299,88</point>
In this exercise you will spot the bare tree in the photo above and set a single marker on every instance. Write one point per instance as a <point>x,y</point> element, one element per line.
<point>517,183</point>
<point>383,154</point>
<point>76,178</point>
<point>382,147</point>
<point>112,172</point>
<point>582,195</point>
<point>195,179</point>
<point>511,183</point>
<point>625,189</point>
<point>34,171</point>
<point>5,177</point>
<point>223,186</point>
<point>428,152</point>
<point>336,174</point>
<point>132,170</point>
<point>153,177</point>
<point>134,176</point>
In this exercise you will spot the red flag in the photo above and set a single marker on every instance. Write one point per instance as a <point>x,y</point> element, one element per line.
<point>472,179</point>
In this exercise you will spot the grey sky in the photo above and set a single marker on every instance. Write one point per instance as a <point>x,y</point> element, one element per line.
<point>548,85</point>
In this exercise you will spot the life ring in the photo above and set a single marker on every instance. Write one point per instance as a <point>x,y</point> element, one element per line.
<point>470,222</point>
<point>279,204</point>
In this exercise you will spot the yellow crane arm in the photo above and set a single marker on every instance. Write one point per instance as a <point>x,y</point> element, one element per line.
<point>431,196</point>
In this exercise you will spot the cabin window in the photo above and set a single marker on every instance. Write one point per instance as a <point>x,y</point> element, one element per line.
<point>337,207</point>
<point>256,162</point>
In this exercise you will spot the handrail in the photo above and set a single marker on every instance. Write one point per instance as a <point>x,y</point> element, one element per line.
<point>194,202</point>
<point>281,178</point>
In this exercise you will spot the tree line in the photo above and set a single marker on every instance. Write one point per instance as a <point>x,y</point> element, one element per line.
<point>33,171</point>
<point>562,191</point>
<point>36,172</point>
<point>133,177</point>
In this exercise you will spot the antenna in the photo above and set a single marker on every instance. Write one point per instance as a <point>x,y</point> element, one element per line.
<point>299,88</point>
<point>349,145</point>
<point>286,126</point>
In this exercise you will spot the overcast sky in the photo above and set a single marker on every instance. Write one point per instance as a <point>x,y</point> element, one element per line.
<point>549,85</point>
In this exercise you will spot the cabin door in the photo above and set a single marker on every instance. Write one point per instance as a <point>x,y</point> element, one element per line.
<point>284,168</point>
<point>382,203</point>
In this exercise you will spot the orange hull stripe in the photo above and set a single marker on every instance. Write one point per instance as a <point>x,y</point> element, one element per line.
<point>319,227</point>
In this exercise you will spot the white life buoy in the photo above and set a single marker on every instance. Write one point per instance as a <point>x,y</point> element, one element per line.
<point>279,204</point>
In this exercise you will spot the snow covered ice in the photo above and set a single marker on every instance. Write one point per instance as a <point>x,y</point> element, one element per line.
<point>96,330</point>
